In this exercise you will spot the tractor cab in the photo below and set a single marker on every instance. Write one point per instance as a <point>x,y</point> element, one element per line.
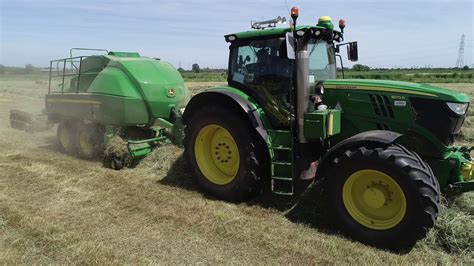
<point>262,63</point>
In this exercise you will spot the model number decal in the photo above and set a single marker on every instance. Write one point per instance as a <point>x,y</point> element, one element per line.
<point>400,103</point>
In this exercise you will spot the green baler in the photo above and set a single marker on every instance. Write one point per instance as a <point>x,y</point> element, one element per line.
<point>114,94</point>
<point>121,89</point>
<point>282,119</point>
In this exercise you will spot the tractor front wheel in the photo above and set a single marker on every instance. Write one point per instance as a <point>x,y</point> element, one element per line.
<point>383,196</point>
<point>222,152</point>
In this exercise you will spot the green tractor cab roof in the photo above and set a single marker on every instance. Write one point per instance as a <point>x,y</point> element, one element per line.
<point>409,88</point>
<point>278,32</point>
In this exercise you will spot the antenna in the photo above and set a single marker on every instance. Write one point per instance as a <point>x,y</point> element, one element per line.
<point>267,23</point>
<point>287,7</point>
<point>460,61</point>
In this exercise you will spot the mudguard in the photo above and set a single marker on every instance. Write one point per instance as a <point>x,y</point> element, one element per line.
<point>233,100</point>
<point>383,137</point>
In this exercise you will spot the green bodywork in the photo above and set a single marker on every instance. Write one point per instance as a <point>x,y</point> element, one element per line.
<point>124,89</point>
<point>356,99</point>
<point>356,114</point>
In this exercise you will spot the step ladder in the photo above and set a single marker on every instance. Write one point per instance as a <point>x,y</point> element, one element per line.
<point>281,155</point>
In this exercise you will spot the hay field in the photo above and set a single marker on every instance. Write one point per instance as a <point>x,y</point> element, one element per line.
<point>55,208</point>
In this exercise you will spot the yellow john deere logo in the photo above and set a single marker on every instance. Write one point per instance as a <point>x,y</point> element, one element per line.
<point>170,92</point>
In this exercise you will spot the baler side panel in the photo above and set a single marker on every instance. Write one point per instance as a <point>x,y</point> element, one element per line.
<point>159,83</point>
<point>70,105</point>
<point>121,104</point>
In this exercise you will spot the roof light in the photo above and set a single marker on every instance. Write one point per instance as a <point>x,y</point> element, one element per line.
<point>324,19</point>
<point>300,33</point>
<point>295,12</point>
<point>342,24</point>
<point>325,22</point>
<point>230,38</point>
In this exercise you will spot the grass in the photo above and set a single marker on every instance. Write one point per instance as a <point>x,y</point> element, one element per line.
<point>55,208</point>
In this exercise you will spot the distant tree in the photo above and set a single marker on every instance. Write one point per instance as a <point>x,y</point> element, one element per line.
<point>360,67</point>
<point>29,68</point>
<point>2,69</point>
<point>466,67</point>
<point>195,67</point>
<point>181,70</point>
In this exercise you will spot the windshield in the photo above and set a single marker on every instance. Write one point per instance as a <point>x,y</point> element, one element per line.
<point>322,61</point>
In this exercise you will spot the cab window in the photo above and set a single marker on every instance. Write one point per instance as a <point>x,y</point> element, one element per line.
<point>263,68</point>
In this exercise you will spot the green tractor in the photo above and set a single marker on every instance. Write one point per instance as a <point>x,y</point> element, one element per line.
<point>381,149</point>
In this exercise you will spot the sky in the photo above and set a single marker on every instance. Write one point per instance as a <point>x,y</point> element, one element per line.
<point>390,33</point>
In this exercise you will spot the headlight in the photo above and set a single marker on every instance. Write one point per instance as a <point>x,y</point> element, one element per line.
<point>230,38</point>
<point>458,108</point>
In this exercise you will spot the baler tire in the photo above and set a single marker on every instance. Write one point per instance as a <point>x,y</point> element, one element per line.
<point>116,163</point>
<point>419,190</point>
<point>246,182</point>
<point>90,140</point>
<point>66,136</point>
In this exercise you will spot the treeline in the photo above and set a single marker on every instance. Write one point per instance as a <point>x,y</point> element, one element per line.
<point>419,75</point>
<point>358,71</point>
<point>361,67</point>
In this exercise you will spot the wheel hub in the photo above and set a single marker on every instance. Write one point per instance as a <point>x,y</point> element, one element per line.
<point>376,196</point>
<point>223,155</point>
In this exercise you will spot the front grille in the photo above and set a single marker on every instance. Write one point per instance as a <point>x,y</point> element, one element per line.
<point>436,116</point>
<point>381,105</point>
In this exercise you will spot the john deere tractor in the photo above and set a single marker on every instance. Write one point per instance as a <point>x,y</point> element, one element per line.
<point>381,149</point>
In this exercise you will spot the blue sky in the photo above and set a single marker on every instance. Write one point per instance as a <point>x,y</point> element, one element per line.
<point>390,33</point>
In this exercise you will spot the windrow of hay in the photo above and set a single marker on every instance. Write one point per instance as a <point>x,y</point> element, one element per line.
<point>116,146</point>
<point>454,229</point>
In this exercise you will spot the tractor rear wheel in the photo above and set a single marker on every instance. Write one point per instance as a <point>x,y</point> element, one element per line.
<point>90,140</point>
<point>66,136</point>
<point>222,152</point>
<point>383,196</point>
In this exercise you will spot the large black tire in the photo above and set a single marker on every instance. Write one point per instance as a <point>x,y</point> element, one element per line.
<point>414,177</point>
<point>66,136</point>
<point>247,180</point>
<point>90,140</point>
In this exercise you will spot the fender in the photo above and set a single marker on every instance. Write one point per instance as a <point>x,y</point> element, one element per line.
<point>228,97</point>
<point>382,137</point>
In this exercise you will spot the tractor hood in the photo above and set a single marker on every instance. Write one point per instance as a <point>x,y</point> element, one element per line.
<point>398,87</point>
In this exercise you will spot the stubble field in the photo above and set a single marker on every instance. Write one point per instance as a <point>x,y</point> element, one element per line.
<point>56,208</point>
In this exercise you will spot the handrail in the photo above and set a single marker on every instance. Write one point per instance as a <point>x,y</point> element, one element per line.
<point>70,72</point>
<point>85,49</point>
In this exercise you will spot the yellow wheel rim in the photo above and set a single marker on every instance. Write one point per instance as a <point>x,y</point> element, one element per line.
<point>85,144</point>
<point>217,154</point>
<point>374,199</point>
<point>64,138</point>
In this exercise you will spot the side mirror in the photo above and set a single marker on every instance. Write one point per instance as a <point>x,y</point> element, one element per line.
<point>290,45</point>
<point>352,53</point>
